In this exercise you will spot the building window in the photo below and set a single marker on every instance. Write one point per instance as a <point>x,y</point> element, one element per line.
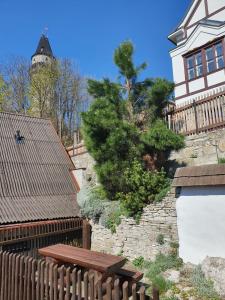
<point>194,66</point>
<point>219,56</point>
<point>210,60</point>
<point>214,57</point>
<point>213,60</point>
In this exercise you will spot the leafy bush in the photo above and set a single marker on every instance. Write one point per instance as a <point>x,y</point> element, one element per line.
<point>160,239</point>
<point>91,202</point>
<point>142,188</point>
<point>221,161</point>
<point>139,262</point>
<point>111,216</point>
<point>204,287</point>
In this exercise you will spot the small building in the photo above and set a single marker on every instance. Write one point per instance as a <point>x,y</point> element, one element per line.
<point>198,58</point>
<point>201,212</point>
<point>38,191</point>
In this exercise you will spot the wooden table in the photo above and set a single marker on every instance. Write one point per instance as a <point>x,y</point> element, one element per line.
<point>91,260</point>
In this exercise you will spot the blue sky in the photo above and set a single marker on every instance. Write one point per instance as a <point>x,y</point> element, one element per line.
<point>88,31</point>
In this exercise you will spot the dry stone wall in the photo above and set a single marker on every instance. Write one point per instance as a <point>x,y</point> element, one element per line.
<point>202,149</point>
<point>133,240</point>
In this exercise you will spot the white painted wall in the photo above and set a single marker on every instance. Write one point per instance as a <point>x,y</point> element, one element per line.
<point>199,14</point>
<point>214,5</point>
<point>181,90</point>
<point>201,223</point>
<point>196,85</point>
<point>216,77</point>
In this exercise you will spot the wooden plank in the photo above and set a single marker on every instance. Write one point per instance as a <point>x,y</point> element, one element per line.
<point>92,287</point>
<point>3,275</point>
<point>67,297</point>
<point>88,259</point>
<point>134,291</point>
<point>155,294</point>
<point>79,283</point>
<point>99,290</point>
<point>29,270</point>
<point>21,270</point>
<point>117,289</point>
<point>61,283</point>
<point>13,276</point>
<point>142,293</point>
<point>125,291</point>
<point>38,280</point>
<point>74,284</point>
<point>55,283</point>
<point>51,294</point>
<point>16,288</point>
<point>46,281</point>
<point>33,280</point>
<point>86,286</point>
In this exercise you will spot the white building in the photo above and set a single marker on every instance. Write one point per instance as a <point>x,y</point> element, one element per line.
<point>199,56</point>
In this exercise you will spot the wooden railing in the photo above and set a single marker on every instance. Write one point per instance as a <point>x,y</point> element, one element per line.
<point>201,115</point>
<point>25,278</point>
<point>27,238</point>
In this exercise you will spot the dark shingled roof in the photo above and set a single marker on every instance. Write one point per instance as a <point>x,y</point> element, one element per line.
<point>200,176</point>
<point>35,176</point>
<point>44,47</point>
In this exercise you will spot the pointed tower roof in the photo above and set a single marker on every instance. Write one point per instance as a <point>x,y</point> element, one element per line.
<point>44,47</point>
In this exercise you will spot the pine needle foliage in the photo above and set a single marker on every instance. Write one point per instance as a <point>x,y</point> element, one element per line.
<point>125,133</point>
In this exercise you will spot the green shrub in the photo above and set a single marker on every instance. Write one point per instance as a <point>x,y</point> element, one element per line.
<point>161,283</point>
<point>143,187</point>
<point>221,160</point>
<point>139,262</point>
<point>111,216</point>
<point>90,202</point>
<point>160,239</point>
<point>204,287</point>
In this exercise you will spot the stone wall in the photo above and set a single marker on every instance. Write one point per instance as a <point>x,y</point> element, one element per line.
<point>202,149</point>
<point>132,240</point>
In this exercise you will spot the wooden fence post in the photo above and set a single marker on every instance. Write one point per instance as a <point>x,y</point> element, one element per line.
<point>196,116</point>
<point>155,294</point>
<point>86,235</point>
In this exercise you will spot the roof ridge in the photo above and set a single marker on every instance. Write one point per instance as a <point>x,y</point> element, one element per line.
<point>26,116</point>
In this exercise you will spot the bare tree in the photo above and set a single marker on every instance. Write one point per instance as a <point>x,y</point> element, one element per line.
<point>16,75</point>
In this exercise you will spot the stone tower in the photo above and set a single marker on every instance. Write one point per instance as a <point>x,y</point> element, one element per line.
<point>43,53</point>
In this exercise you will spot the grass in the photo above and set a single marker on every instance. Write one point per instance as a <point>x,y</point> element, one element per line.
<point>203,287</point>
<point>153,269</point>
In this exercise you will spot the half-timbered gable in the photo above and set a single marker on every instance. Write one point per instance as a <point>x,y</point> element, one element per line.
<point>198,58</point>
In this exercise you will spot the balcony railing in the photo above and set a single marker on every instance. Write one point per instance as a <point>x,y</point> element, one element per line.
<point>202,115</point>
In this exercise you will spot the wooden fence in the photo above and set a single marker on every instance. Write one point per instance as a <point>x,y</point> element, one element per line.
<point>202,115</point>
<point>26,278</point>
<point>27,238</point>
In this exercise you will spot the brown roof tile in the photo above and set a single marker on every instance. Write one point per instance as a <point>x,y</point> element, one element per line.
<point>35,181</point>
<point>200,176</point>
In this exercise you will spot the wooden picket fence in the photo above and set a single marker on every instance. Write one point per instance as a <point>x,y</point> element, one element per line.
<point>200,115</point>
<point>26,278</point>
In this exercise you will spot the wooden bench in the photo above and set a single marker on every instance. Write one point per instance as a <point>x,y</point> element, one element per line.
<point>130,274</point>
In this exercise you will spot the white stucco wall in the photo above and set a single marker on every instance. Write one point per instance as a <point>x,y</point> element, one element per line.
<point>214,5</point>
<point>201,223</point>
